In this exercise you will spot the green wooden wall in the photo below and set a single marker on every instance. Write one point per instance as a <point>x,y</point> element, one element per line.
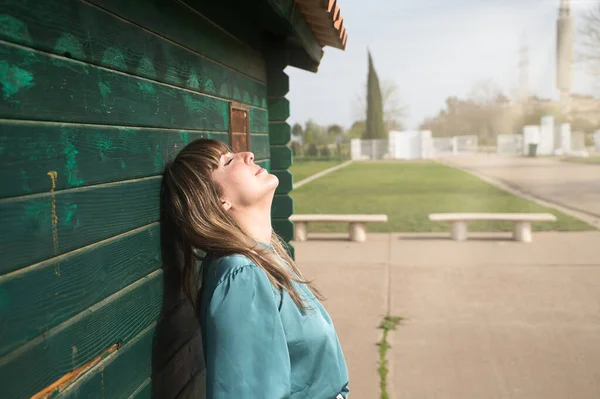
<point>96,96</point>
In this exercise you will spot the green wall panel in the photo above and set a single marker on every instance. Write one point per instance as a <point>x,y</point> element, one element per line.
<point>280,133</point>
<point>259,145</point>
<point>259,120</point>
<point>41,87</point>
<point>281,157</point>
<point>84,154</point>
<point>286,181</point>
<point>60,222</point>
<point>117,319</point>
<point>38,298</point>
<point>191,30</point>
<point>279,109</point>
<point>284,227</point>
<point>283,206</point>
<point>278,85</point>
<point>87,33</point>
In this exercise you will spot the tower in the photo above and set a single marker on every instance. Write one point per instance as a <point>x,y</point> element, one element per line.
<point>564,57</point>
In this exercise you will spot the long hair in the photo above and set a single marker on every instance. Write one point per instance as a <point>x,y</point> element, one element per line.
<point>191,206</point>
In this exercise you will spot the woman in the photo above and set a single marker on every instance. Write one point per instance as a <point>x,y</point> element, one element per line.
<point>265,334</point>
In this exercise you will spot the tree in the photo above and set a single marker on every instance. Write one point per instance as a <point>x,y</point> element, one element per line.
<point>590,40</point>
<point>394,110</point>
<point>375,125</point>
<point>357,130</point>
<point>297,130</point>
<point>486,113</point>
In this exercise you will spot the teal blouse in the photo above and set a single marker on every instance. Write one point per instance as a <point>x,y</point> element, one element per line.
<point>258,344</point>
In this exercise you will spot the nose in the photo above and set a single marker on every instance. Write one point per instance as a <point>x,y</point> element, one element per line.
<point>249,157</point>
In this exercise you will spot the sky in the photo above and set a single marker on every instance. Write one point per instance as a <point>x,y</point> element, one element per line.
<point>433,49</point>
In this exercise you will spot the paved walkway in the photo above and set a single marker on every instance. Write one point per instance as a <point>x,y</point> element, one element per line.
<point>574,185</point>
<point>487,318</point>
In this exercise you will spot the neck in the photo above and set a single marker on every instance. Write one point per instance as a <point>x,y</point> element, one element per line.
<point>255,221</point>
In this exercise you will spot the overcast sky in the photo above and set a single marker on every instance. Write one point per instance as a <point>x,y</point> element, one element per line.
<point>433,49</point>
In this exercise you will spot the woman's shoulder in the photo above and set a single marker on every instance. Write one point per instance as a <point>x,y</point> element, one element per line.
<point>222,267</point>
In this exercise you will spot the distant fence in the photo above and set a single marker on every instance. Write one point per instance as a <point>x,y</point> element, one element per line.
<point>444,146</point>
<point>412,145</point>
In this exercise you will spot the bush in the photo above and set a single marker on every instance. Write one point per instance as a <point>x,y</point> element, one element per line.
<point>325,151</point>
<point>312,150</point>
<point>296,148</point>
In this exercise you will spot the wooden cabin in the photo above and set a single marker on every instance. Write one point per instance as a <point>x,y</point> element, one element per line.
<point>96,96</point>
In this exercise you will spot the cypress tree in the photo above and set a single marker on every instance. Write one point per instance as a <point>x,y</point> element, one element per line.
<point>375,126</point>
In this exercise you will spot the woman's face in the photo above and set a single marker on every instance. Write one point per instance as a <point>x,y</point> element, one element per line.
<point>243,183</point>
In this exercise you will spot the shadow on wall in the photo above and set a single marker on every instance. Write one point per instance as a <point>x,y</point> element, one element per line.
<point>178,369</point>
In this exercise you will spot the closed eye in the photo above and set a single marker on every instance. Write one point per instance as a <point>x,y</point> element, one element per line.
<point>228,162</point>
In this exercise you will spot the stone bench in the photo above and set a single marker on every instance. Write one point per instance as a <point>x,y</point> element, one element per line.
<point>357,228</point>
<point>521,222</point>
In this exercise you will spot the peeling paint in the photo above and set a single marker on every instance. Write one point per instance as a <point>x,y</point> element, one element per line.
<point>146,68</point>
<point>209,87</point>
<point>184,137</point>
<point>158,160</point>
<point>146,86</point>
<point>193,80</point>
<point>172,76</point>
<point>70,214</point>
<point>14,79</point>
<point>123,165</point>
<point>104,91</point>
<point>236,94</point>
<point>113,57</point>
<point>15,29</point>
<point>69,45</point>
<point>224,90</point>
<point>104,144</point>
<point>70,153</point>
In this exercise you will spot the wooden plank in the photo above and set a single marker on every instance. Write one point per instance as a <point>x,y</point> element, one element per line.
<point>286,181</point>
<point>281,157</point>
<point>39,86</point>
<point>279,109</point>
<point>191,31</point>
<point>259,121</point>
<point>40,297</point>
<point>283,227</point>
<point>59,222</point>
<point>280,133</point>
<point>282,207</point>
<point>259,145</point>
<point>278,84</point>
<point>90,34</point>
<point>84,154</point>
<point>144,391</point>
<point>120,375</point>
<point>117,319</point>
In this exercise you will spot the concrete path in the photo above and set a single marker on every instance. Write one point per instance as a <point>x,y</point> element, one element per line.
<point>487,318</point>
<point>574,185</point>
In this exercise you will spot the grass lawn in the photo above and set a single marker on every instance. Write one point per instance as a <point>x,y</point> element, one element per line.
<point>594,159</point>
<point>302,170</point>
<point>408,192</point>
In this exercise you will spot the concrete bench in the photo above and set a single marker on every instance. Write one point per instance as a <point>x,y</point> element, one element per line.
<point>521,222</point>
<point>357,228</point>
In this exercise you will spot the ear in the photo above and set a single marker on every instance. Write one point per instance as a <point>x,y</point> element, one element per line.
<point>225,204</point>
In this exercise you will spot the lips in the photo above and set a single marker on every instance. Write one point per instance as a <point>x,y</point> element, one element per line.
<point>259,171</point>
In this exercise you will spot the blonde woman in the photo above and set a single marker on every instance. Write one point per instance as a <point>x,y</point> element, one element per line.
<point>265,333</point>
